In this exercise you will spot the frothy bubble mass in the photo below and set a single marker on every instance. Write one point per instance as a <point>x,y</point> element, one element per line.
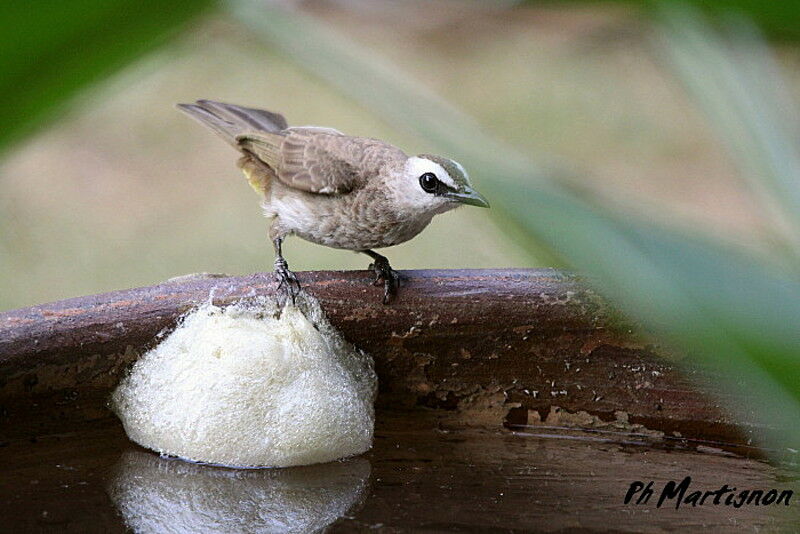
<point>241,387</point>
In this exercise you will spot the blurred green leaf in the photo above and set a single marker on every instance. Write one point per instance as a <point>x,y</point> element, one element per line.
<point>50,49</point>
<point>727,310</point>
<point>737,83</point>
<point>779,20</point>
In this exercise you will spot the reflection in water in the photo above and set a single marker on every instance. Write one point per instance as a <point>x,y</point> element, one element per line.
<point>160,495</point>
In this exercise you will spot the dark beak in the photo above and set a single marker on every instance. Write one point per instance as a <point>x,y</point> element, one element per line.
<point>468,196</point>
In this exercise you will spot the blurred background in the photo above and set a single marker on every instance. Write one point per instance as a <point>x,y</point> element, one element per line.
<point>650,146</point>
<point>123,190</point>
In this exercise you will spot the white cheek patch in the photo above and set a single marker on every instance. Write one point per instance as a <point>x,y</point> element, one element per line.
<point>416,167</point>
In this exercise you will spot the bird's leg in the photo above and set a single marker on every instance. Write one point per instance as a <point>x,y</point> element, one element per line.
<point>384,274</point>
<point>287,281</point>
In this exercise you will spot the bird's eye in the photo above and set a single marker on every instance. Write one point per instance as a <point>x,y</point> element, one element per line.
<point>429,182</point>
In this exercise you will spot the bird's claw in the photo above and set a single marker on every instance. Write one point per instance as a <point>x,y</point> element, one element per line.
<point>384,274</point>
<point>288,284</point>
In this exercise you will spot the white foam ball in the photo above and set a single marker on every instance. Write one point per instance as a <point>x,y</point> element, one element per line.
<point>239,387</point>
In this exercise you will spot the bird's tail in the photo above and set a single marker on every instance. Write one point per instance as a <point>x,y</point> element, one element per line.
<point>230,120</point>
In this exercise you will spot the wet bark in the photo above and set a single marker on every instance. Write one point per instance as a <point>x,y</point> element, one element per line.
<point>479,346</point>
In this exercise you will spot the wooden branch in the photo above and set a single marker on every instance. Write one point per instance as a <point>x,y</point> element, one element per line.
<point>481,346</point>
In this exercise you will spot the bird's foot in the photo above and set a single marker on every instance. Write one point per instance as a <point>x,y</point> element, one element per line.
<point>288,284</point>
<point>384,274</point>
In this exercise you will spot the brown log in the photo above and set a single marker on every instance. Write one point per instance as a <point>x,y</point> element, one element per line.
<point>479,346</point>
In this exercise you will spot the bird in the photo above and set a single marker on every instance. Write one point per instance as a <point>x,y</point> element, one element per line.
<point>336,190</point>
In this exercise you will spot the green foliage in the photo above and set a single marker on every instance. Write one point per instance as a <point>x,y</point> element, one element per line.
<point>778,19</point>
<point>50,49</point>
<point>729,311</point>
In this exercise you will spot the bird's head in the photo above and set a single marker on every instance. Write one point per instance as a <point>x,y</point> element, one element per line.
<point>433,184</point>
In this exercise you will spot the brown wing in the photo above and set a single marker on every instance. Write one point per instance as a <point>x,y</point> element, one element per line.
<point>319,160</point>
